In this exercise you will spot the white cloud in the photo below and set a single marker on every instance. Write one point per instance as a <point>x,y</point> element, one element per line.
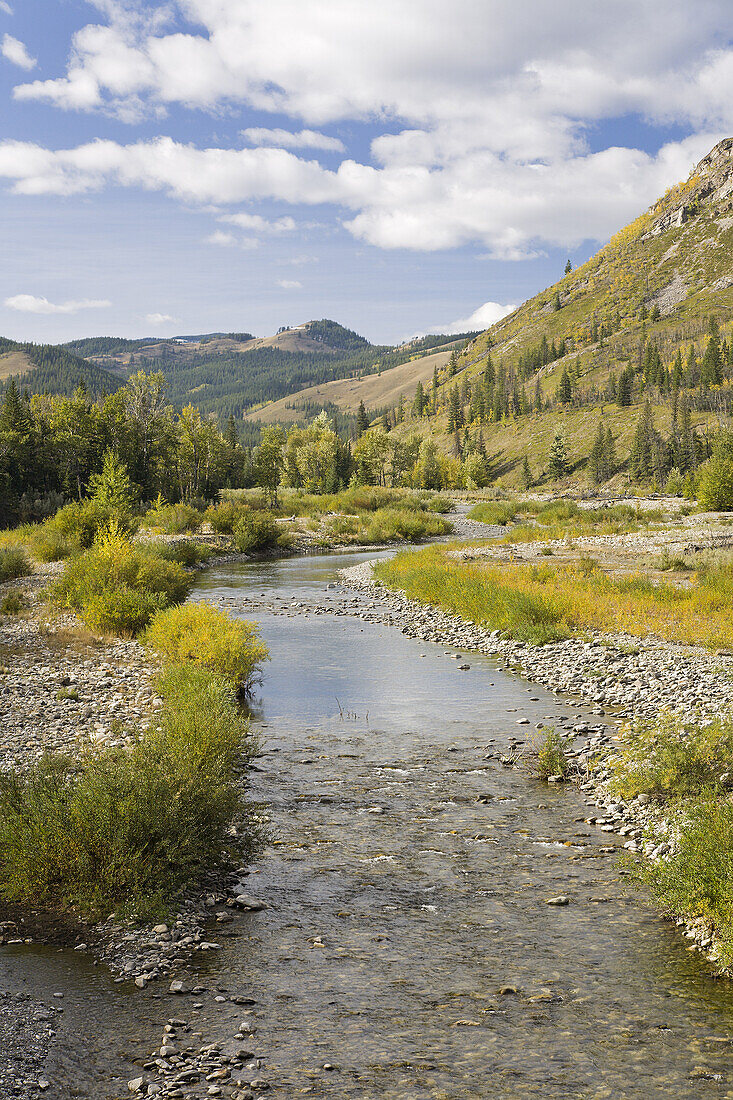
<point>5,7</point>
<point>482,318</point>
<point>485,109</point>
<point>30,303</point>
<point>160,318</point>
<point>505,205</point>
<point>224,240</point>
<point>286,139</point>
<point>289,284</point>
<point>257,224</point>
<point>15,51</point>
<point>509,73</point>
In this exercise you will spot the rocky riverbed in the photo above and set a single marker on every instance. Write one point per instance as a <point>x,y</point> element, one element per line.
<point>635,678</point>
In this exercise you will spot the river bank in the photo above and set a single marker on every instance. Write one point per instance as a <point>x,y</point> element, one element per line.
<point>632,677</point>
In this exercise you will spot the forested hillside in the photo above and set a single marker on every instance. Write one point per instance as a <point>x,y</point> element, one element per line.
<point>45,368</point>
<point>223,374</point>
<point>639,340</point>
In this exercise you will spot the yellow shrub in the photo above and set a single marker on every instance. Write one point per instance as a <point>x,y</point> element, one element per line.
<point>200,634</point>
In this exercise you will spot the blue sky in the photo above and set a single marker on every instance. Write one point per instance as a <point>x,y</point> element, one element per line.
<point>401,167</point>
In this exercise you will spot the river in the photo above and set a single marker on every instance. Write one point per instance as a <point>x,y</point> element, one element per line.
<point>408,945</point>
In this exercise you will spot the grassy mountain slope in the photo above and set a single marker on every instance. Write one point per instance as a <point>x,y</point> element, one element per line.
<point>377,391</point>
<point>45,368</point>
<point>656,284</point>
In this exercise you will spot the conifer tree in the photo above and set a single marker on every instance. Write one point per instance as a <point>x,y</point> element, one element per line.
<point>558,459</point>
<point>362,420</point>
<point>565,388</point>
<point>527,480</point>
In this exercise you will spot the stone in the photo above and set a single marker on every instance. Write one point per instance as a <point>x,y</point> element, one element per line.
<point>560,900</point>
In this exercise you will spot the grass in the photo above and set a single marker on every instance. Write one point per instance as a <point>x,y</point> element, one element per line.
<point>540,521</point>
<point>546,602</point>
<point>210,639</point>
<point>125,830</point>
<point>13,564</point>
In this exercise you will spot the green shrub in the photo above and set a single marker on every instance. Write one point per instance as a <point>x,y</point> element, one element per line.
<point>255,531</point>
<point>185,553</point>
<point>79,522</point>
<point>552,758</point>
<point>122,611</point>
<point>117,588</point>
<point>13,603</point>
<point>697,879</point>
<point>201,634</point>
<point>223,517</point>
<point>48,544</point>
<point>13,563</point>
<point>173,519</point>
<point>500,512</point>
<point>403,525</point>
<point>674,757</point>
<point>128,829</point>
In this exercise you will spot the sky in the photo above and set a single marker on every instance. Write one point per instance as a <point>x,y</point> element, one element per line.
<point>399,166</point>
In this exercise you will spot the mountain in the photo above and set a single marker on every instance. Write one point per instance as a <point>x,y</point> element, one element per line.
<point>661,286</point>
<point>45,368</point>
<point>237,374</point>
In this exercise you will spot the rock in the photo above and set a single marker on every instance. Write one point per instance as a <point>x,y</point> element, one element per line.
<point>136,1084</point>
<point>178,987</point>
<point>508,990</point>
<point>560,900</point>
<point>246,901</point>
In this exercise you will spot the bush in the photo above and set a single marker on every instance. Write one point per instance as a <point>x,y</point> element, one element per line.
<point>198,633</point>
<point>696,881</point>
<point>48,544</point>
<point>223,517</point>
<point>117,588</point>
<point>255,531</point>
<point>402,524</point>
<point>127,829</point>
<point>185,553</point>
<point>13,564</point>
<point>13,603</point>
<point>552,756</point>
<point>499,512</point>
<point>674,757</point>
<point>123,611</point>
<point>173,519</point>
<point>79,522</point>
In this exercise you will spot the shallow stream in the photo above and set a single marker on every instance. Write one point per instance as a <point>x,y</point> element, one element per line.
<point>408,944</point>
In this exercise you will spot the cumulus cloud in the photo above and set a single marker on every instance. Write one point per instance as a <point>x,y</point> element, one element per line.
<point>482,318</point>
<point>485,111</point>
<point>160,318</point>
<point>15,51</point>
<point>504,205</point>
<point>286,139</point>
<point>224,240</point>
<point>289,284</point>
<point>6,7</point>
<point>30,303</point>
